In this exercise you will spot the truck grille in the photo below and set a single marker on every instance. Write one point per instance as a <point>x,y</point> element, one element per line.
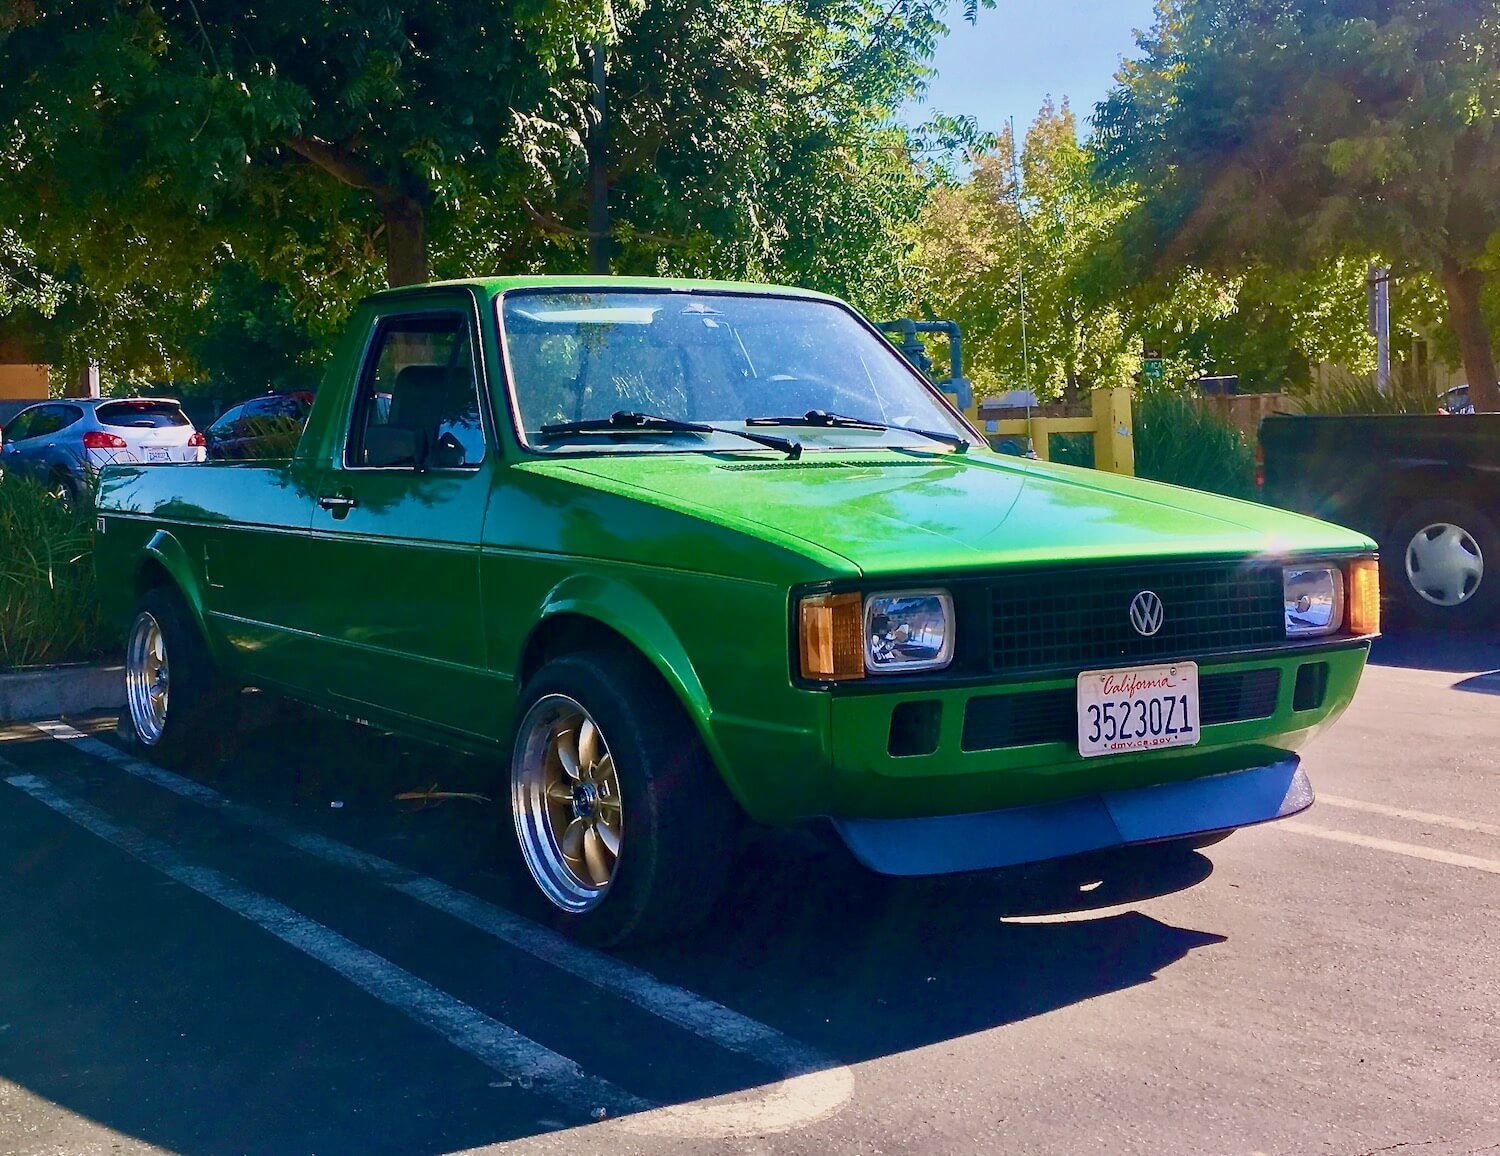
<point>1080,618</point>
<point>996,721</point>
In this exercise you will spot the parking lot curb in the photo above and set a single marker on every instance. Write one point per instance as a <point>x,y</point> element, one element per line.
<point>55,691</point>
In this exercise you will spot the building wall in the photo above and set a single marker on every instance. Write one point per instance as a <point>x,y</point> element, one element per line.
<point>22,381</point>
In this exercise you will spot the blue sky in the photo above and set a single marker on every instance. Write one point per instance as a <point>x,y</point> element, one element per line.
<point>1022,50</point>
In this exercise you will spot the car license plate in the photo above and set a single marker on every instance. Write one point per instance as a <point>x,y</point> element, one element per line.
<point>1140,708</point>
<point>157,455</point>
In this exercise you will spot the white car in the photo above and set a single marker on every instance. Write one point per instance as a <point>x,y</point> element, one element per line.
<point>63,444</point>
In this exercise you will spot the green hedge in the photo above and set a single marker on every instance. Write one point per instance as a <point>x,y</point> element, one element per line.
<point>48,611</point>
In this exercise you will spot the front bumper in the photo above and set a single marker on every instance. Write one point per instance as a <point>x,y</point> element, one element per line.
<point>942,844</point>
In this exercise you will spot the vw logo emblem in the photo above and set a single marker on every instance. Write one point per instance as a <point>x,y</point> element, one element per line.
<point>1146,613</point>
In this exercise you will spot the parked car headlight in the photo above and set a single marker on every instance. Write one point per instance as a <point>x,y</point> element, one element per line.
<point>908,630</point>
<point>1313,599</point>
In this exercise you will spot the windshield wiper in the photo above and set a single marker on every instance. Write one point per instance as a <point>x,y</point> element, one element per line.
<point>821,417</point>
<point>625,420</point>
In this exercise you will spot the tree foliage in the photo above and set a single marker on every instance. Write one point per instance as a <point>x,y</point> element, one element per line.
<point>1046,227</point>
<point>327,149</point>
<point>1288,132</point>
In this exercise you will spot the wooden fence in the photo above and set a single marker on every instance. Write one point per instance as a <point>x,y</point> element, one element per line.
<point>1107,419</point>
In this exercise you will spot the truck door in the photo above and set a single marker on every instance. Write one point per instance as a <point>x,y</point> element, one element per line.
<point>396,528</point>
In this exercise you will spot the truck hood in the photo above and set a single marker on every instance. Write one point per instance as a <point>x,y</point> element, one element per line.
<point>890,512</point>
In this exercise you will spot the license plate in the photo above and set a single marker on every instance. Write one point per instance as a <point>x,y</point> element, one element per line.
<point>158,455</point>
<point>1140,708</point>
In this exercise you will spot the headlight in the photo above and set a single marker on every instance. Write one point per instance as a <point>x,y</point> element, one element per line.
<point>844,636</point>
<point>908,630</point>
<point>1313,599</point>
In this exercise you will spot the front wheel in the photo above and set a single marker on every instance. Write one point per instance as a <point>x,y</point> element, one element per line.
<point>620,816</point>
<point>181,709</point>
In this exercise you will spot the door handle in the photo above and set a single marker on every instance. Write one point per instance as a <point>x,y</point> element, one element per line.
<point>338,504</point>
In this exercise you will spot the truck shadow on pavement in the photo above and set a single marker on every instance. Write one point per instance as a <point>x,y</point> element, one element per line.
<point>127,1012</point>
<point>1454,653</point>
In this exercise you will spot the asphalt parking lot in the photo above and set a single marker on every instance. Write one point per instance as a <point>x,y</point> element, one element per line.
<point>286,959</point>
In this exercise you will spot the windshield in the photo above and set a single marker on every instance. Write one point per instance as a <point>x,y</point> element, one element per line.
<point>706,357</point>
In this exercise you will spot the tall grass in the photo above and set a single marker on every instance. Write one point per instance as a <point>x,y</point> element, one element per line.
<point>1179,441</point>
<point>1411,391</point>
<point>48,611</point>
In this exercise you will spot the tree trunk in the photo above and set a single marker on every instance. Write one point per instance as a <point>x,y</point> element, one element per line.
<point>1463,288</point>
<point>405,240</point>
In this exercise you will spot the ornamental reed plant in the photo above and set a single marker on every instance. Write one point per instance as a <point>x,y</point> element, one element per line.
<point>48,612</point>
<point>1179,441</point>
<point>1342,393</point>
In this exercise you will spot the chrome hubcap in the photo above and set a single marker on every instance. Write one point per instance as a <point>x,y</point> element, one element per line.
<point>566,799</point>
<point>147,678</point>
<point>1444,564</point>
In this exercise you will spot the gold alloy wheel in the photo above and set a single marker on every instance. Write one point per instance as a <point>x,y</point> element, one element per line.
<point>147,678</point>
<point>565,795</point>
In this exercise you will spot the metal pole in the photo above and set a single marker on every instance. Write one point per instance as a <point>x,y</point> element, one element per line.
<point>1015,181</point>
<point>1380,324</point>
<point>599,227</point>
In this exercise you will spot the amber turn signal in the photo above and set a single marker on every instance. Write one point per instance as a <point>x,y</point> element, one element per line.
<point>830,636</point>
<point>1364,596</point>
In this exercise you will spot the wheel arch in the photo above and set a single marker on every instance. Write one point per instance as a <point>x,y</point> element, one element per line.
<point>164,562</point>
<point>586,612</point>
<point>1433,483</point>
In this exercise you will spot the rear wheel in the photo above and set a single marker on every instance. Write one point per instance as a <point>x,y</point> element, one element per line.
<point>620,816</point>
<point>1443,564</point>
<point>65,491</point>
<point>181,709</point>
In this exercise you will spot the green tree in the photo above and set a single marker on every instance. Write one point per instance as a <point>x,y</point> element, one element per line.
<point>1052,235</point>
<point>1287,132</point>
<point>150,145</point>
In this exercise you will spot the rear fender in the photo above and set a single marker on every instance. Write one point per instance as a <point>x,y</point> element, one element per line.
<point>165,551</point>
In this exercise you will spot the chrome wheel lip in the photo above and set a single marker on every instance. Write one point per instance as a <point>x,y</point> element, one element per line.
<point>537,767</point>
<point>147,678</point>
<point>1441,558</point>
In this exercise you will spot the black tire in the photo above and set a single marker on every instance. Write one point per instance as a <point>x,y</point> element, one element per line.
<point>1481,604</point>
<point>680,824</point>
<point>200,705</point>
<point>67,490</point>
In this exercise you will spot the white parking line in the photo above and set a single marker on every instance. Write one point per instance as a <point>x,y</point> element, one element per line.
<point>1413,850</point>
<point>1412,816</point>
<point>812,1086</point>
<point>499,1047</point>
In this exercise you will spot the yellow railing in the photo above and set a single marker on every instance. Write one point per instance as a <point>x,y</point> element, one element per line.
<point>1109,422</point>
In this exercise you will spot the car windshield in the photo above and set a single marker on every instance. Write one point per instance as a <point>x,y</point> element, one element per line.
<point>709,357</point>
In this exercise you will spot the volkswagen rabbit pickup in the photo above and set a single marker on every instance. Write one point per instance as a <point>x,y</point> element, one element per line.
<point>682,555</point>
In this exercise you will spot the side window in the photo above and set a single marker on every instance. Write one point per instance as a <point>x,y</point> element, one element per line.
<point>47,421</point>
<point>20,426</point>
<point>418,403</point>
<point>269,430</point>
<point>224,427</point>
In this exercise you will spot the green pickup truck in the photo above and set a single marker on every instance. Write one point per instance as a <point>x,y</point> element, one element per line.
<point>684,554</point>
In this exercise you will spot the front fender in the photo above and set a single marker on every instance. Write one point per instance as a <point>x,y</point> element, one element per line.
<point>636,618</point>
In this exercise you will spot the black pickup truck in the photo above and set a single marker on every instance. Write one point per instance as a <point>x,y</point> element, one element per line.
<point>1426,488</point>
